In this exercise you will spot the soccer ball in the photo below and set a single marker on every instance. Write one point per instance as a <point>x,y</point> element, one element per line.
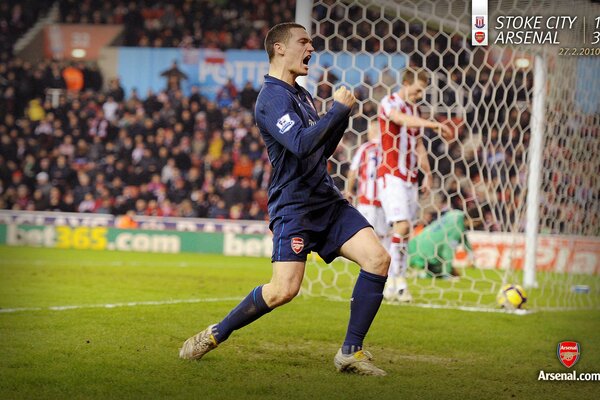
<point>511,297</point>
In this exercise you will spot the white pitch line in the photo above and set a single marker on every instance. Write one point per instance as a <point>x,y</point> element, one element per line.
<point>475,309</point>
<point>449,307</point>
<point>117,305</point>
<point>92,263</point>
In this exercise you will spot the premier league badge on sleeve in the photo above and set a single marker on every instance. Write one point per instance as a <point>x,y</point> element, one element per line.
<point>285,123</point>
<point>568,353</point>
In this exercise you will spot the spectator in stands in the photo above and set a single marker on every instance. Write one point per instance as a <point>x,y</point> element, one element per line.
<point>227,94</point>
<point>187,210</point>
<point>134,24</point>
<point>174,77</point>
<point>88,205</point>
<point>126,221</point>
<point>35,112</point>
<point>214,117</point>
<point>248,96</point>
<point>54,78</point>
<point>110,108</point>
<point>115,90</point>
<point>73,77</point>
<point>218,210</point>
<point>92,77</point>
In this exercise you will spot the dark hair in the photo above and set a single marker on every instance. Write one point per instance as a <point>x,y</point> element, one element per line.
<point>412,75</point>
<point>280,33</point>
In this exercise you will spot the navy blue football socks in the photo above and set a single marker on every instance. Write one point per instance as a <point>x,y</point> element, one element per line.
<point>366,299</point>
<point>249,310</point>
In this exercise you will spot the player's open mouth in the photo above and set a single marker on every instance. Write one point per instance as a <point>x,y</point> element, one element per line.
<point>306,60</point>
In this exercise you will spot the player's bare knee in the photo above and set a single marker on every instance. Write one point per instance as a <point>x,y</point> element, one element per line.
<point>290,293</point>
<point>384,263</point>
<point>378,263</point>
<point>283,295</point>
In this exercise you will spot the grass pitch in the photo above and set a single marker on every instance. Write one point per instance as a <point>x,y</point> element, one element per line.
<point>91,325</point>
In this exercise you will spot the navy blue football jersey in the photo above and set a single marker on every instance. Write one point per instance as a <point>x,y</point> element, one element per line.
<point>299,144</point>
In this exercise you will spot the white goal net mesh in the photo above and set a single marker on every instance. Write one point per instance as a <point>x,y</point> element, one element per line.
<point>485,94</point>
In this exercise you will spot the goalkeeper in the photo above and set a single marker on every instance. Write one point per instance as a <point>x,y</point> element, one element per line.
<point>433,249</point>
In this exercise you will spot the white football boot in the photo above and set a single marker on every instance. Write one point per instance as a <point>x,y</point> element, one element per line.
<point>402,293</point>
<point>396,291</point>
<point>389,291</point>
<point>360,362</point>
<point>198,345</point>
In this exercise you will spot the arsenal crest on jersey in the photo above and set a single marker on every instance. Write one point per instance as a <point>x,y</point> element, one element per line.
<point>297,244</point>
<point>568,353</point>
<point>479,22</point>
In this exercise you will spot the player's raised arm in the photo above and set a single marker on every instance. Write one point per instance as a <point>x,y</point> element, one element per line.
<point>405,114</point>
<point>280,118</point>
<point>352,175</point>
<point>343,96</point>
<point>412,121</point>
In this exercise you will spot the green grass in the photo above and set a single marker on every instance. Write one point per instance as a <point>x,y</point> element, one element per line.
<point>130,352</point>
<point>475,288</point>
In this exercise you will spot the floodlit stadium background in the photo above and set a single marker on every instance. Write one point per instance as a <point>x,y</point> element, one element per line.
<point>133,200</point>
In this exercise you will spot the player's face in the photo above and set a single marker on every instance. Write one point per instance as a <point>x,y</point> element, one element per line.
<point>415,91</point>
<point>298,51</point>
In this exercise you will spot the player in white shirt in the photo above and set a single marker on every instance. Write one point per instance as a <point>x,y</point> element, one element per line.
<point>363,169</point>
<point>403,152</point>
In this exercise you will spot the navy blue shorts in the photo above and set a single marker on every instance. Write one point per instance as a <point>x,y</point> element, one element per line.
<point>324,230</point>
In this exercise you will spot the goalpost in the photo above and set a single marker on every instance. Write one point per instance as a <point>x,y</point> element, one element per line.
<point>527,121</point>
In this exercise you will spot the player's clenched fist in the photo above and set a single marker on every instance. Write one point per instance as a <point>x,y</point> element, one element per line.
<point>344,96</point>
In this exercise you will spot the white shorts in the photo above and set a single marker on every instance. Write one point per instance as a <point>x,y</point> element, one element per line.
<point>375,216</point>
<point>399,199</point>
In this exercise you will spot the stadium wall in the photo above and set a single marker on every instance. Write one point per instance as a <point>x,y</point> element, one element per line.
<point>61,39</point>
<point>556,253</point>
<point>210,69</point>
<point>153,235</point>
<point>139,240</point>
<point>108,63</point>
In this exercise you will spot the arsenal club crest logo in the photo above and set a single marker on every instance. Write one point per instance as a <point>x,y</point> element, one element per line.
<point>479,36</point>
<point>479,22</point>
<point>568,353</point>
<point>297,244</point>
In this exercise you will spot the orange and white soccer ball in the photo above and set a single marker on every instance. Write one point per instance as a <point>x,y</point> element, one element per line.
<point>511,297</point>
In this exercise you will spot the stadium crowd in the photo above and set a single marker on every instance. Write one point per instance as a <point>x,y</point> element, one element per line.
<point>16,17</point>
<point>97,151</point>
<point>240,24</point>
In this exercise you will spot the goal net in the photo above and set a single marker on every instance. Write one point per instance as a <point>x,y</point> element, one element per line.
<point>487,95</point>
